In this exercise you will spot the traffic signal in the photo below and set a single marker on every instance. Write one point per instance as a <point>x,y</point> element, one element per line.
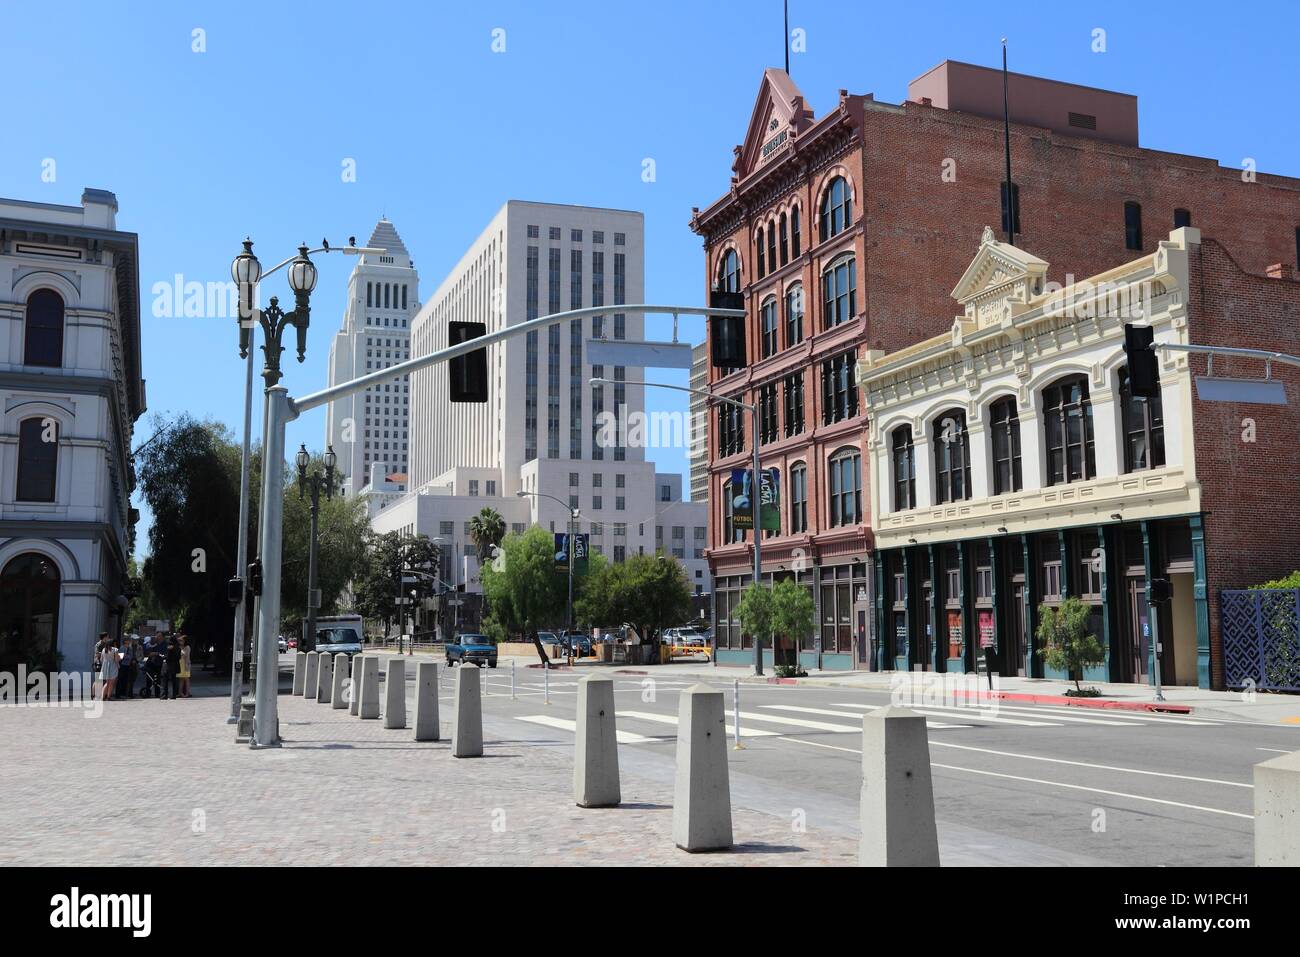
<point>235,590</point>
<point>1162,590</point>
<point>1143,374</point>
<point>727,333</point>
<point>255,576</point>
<point>468,373</point>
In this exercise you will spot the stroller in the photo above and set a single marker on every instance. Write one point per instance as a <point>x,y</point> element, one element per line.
<point>152,672</point>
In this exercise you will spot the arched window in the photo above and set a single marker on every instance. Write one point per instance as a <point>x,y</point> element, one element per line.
<point>794,315</point>
<point>1004,423</point>
<point>29,613</point>
<point>837,209</point>
<point>729,507</point>
<point>799,497</point>
<point>839,292</point>
<point>903,461</point>
<point>762,253</point>
<point>785,242</point>
<point>43,338</point>
<point>1144,428</point>
<point>771,245</point>
<point>951,457</point>
<point>1067,431</point>
<point>768,325</point>
<point>729,272</point>
<point>38,453</point>
<point>794,231</point>
<point>844,487</point>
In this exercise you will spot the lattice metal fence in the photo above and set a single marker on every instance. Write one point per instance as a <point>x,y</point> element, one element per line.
<point>1261,638</point>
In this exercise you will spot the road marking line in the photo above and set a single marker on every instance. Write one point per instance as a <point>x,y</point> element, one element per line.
<point>1057,716</point>
<point>1082,787</point>
<point>1085,764</point>
<point>1274,750</point>
<point>669,719</point>
<point>1117,714</point>
<point>819,744</point>
<point>624,737</point>
<point>849,714</point>
<point>801,723</point>
<point>970,714</point>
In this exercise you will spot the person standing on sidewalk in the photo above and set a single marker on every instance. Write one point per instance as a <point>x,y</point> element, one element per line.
<point>185,666</point>
<point>126,671</point>
<point>171,669</point>
<point>109,663</point>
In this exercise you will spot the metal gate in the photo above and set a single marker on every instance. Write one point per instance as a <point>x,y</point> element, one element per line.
<point>1261,638</point>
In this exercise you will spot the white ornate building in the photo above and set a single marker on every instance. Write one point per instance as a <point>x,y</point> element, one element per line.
<point>70,393</point>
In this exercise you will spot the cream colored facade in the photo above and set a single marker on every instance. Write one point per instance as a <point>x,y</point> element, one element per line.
<point>1016,335</point>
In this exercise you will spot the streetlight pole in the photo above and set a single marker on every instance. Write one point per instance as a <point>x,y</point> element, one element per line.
<point>753,492</point>
<point>313,483</point>
<point>246,271</point>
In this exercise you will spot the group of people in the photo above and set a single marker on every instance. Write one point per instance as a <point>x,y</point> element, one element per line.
<point>162,661</point>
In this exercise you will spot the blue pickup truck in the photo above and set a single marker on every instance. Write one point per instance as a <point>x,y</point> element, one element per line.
<point>473,648</point>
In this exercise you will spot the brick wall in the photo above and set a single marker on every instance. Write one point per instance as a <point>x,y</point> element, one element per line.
<point>1252,521</point>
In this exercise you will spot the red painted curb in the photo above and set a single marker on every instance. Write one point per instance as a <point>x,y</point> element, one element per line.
<point>1080,702</point>
<point>783,681</point>
<point>624,671</point>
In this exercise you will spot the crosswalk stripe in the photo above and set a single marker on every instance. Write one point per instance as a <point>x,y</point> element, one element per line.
<point>1138,717</point>
<point>849,714</point>
<point>970,714</point>
<point>1070,718</point>
<point>671,719</point>
<point>800,722</point>
<point>624,737</point>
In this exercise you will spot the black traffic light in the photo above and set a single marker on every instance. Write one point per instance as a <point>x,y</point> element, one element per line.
<point>1143,374</point>
<point>1162,590</point>
<point>255,577</point>
<point>235,590</point>
<point>468,373</point>
<point>727,333</point>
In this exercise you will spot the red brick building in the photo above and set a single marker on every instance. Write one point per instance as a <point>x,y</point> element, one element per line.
<point>850,231</point>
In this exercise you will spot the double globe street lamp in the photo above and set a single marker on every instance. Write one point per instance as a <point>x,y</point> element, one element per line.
<point>312,483</point>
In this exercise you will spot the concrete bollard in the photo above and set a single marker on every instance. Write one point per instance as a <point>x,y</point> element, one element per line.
<point>311,675</point>
<point>1277,811</point>
<point>702,790</point>
<point>369,707</point>
<point>595,760</point>
<point>324,678</point>
<point>395,694</point>
<point>897,803</point>
<point>467,730</point>
<point>299,672</point>
<point>339,693</point>
<point>426,702</point>
<point>354,688</point>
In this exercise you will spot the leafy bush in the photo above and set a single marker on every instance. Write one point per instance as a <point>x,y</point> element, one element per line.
<point>1067,644</point>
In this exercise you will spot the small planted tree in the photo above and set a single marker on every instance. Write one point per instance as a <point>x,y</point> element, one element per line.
<point>792,618</point>
<point>755,612</point>
<point>1066,643</point>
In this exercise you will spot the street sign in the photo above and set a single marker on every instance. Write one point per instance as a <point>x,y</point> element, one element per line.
<point>313,600</point>
<point>1257,391</point>
<point>624,352</point>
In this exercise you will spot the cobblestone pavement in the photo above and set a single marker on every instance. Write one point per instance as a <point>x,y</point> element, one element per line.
<point>162,782</point>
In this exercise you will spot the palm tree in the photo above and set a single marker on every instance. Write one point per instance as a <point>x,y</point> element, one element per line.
<point>487,528</point>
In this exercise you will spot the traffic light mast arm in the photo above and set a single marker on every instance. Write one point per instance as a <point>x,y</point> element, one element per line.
<point>325,396</point>
<point>1265,354</point>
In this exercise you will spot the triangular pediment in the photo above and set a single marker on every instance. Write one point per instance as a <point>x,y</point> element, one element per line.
<point>779,116</point>
<point>1000,274</point>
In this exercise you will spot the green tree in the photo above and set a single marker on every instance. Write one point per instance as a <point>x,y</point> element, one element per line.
<point>648,592</point>
<point>486,529</point>
<point>1066,643</point>
<point>376,589</point>
<point>522,586</point>
<point>792,616</point>
<point>756,613</point>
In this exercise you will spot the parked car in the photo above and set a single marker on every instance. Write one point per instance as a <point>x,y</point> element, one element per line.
<point>293,643</point>
<point>579,643</point>
<point>472,647</point>
<point>284,645</point>
<point>338,634</point>
<point>550,639</point>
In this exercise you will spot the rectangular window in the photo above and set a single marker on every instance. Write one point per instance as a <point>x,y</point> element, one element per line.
<point>839,389</point>
<point>473,487</point>
<point>575,235</point>
<point>839,293</point>
<point>491,487</point>
<point>1182,217</point>
<point>767,413</point>
<point>1132,225</point>
<point>554,233</point>
<point>799,499</point>
<point>792,391</point>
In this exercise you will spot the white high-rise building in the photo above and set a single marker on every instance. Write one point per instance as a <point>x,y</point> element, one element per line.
<point>540,430</point>
<point>370,431</point>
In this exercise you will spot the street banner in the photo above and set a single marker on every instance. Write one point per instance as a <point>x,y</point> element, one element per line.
<point>769,500</point>
<point>581,549</point>
<point>742,499</point>
<point>561,551</point>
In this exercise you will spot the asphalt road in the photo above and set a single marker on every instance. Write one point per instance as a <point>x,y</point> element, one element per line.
<point>1025,784</point>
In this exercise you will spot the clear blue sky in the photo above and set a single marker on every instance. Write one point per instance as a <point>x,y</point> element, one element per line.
<point>249,136</point>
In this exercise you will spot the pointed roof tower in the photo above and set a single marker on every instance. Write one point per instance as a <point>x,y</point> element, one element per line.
<point>780,115</point>
<point>385,237</point>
